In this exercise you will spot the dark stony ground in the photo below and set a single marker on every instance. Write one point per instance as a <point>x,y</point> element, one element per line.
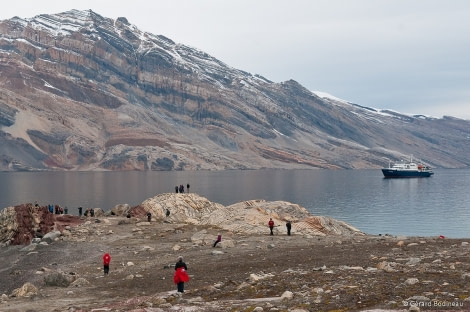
<point>323,273</point>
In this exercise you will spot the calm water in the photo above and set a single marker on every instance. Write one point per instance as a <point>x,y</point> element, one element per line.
<point>439,205</point>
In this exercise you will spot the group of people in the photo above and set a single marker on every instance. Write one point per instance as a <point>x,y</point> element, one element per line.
<point>56,209</point>
<point>271,226</point>
<point>88,212</point>
<point>180,277</point>
<point>180,189</point>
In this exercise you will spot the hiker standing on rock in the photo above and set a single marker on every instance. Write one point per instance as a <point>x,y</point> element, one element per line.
<point>181,276</point>
<point>106,261</point>
<point>271,225</point>
<point>288,226</point>
<point>149,216</point>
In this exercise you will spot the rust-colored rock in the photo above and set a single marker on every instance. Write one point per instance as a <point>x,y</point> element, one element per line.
<point>21,223</point>
<point>62,221</point>
<point>31,221</point>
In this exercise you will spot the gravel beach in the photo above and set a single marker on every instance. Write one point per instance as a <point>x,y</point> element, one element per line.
<point>245,272</point>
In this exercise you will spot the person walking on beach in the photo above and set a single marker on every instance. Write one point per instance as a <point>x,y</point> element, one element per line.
<point>288,226</point>
<point>106,261</point>
<point>271,225</point>
<point>218,240</point>
<point>181,276</point>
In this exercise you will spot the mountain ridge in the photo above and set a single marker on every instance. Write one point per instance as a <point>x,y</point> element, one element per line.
<point>79,91</point>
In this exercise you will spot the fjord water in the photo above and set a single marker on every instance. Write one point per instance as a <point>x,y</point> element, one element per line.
<point>439,205</point>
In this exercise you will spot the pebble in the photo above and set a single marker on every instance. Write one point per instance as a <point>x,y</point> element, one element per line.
<point>411,281</point>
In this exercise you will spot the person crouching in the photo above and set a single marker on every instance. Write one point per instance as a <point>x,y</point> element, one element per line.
<point>218,240</point>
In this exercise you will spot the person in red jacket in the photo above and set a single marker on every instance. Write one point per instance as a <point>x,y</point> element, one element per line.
<point>181,276</point>
<point>271,225</point>
<point>106,261</point>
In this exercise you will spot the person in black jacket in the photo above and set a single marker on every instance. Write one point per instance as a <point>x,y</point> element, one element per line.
<point>180,264</point>
<point>180,278</point>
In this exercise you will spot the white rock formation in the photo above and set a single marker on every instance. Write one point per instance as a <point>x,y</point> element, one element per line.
<point>250,217</point>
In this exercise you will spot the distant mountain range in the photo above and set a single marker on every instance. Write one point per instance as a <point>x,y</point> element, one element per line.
<point>79,91</point>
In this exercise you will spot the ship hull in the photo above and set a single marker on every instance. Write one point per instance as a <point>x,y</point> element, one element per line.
<point>393,173</point>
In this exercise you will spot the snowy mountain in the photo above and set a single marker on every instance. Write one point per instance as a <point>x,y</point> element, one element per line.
<point>79,91</point>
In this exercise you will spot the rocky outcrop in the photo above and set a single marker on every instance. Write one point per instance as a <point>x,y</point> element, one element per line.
<point>183,208</point>
<point>26,290</point>
<point>20,224</point>
<point>250,217</point>
<point>253,216</point>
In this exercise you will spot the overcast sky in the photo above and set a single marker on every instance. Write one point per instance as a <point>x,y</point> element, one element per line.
<point>411,56</point>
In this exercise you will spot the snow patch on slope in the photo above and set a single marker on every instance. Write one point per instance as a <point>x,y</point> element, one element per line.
<point>24,121</point>
<point>327,96</point>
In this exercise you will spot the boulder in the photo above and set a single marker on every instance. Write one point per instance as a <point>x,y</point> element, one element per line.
<point>58,279</point>
<point>51,236</point>
<point>26,290</point>
<point>226,243</point>
<point>29,248</point>
<point>99,212</point>
<point>79,282</point>
<point>287,295</point>
<point>120,210</point>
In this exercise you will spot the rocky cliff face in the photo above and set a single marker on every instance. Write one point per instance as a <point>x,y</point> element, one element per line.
<point>79,91</point>
<point>20,224</point>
